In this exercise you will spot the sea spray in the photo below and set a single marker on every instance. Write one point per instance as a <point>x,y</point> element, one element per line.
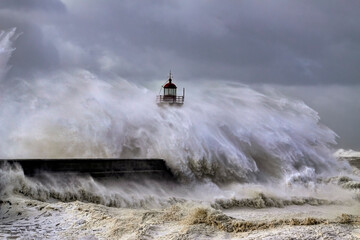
<point>6,48</point>
<point>227,132</point>
<point>224,132</point>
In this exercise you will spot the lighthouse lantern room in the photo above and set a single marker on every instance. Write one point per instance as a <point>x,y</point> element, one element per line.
<point>169,94</point>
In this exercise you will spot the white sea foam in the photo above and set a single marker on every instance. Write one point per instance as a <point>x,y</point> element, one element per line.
<point>147,193</point>
<point>342,153</point>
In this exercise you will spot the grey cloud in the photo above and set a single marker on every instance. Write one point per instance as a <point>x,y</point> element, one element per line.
<point>277,42</point>
<point>286,42</point>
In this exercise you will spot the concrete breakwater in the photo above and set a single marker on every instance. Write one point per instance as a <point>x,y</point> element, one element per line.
<point>96,167</point>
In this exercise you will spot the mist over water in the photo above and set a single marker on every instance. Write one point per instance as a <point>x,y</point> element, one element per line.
<point>224,132</point>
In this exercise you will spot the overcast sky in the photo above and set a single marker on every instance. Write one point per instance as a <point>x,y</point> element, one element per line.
<point>306,49</point>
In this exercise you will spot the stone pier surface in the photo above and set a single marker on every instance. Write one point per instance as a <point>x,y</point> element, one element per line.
<point>97,167</point>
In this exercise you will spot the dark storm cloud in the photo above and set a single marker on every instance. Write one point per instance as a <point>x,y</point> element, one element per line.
<point>254,41</point>
<point>287,42</point>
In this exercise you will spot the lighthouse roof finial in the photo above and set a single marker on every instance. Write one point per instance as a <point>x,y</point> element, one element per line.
<point>170,84</point>
<point>170,77</point>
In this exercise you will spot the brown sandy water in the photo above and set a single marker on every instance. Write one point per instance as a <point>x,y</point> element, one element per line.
<point>77,220</point>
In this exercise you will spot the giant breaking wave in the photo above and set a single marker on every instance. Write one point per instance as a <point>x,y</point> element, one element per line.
<point>224,132</point>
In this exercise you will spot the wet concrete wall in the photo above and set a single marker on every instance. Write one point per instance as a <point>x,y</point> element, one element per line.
<point>96,167</point>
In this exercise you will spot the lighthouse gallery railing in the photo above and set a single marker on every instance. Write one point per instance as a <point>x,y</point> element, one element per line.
<point>170,99</point>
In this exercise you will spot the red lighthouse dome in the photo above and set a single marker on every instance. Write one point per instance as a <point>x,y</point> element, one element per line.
<point>169,87</point>
<point>170,84</point>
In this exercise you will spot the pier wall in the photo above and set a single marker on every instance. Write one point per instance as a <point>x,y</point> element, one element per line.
<point>95,166</point>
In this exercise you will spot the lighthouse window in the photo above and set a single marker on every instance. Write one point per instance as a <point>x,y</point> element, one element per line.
<point>169,91</point>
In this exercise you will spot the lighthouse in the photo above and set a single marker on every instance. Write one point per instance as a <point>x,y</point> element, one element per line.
<point>169,94</point>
